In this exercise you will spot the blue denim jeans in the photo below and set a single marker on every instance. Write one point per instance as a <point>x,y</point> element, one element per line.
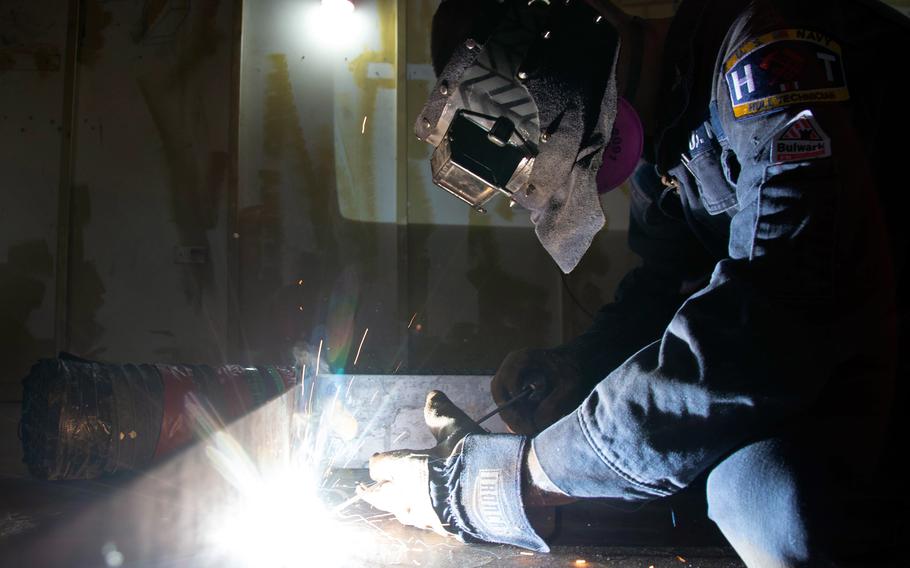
<point>766,501</point>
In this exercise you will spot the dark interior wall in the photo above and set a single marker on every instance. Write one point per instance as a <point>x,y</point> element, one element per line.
<point>135,188</point>
<point>32,52</point>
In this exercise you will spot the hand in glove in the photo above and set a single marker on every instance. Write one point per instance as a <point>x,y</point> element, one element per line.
<point>402,476</point>
<point>469,485</point>
<point>563,388</point>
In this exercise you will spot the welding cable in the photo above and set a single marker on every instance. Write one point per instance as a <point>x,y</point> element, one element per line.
<point>575,300</point>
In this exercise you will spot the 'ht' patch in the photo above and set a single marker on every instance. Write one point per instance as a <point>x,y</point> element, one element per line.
<point>784,68</point>
<point>800,140</point>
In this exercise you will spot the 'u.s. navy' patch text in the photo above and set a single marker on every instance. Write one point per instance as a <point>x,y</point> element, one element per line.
<point>783,68</point>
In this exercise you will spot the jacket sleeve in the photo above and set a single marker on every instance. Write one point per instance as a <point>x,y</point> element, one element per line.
<point>673,265</point>
<point>768,333</point>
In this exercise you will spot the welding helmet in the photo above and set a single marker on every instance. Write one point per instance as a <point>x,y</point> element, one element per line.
<point>524,108</point>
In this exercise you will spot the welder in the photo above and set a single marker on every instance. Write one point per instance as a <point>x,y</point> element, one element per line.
<point>758,342</point>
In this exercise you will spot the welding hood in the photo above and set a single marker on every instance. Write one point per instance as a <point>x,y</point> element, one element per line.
<point>526,113</point>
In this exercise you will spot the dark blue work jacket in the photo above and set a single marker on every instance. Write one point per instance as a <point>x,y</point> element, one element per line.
<point>768,294</point>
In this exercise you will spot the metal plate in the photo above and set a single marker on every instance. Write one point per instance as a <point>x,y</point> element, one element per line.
<point>365,414</point>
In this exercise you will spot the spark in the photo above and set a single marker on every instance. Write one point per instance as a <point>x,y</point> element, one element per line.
<point>526,553</point>
<point>300,308</point>
<point>362,339</point>
<point>373,398</point>
<point>398,366</point>
<point>581,562</point>
<point>300,282</point>
<point>318,356</point>
<point>681,559</point>
<point>363,127</point>
<point>309,404</point>
<point>412,320</point>
<point>400,436</point>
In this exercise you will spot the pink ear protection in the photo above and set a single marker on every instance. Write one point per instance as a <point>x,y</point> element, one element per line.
<point>624,149</point>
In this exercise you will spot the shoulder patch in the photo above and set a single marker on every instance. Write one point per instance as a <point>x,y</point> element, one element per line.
<point>783,68</point>
<point>800,139</point>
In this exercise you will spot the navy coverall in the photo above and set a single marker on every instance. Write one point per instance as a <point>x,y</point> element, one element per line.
<point>759,339</point>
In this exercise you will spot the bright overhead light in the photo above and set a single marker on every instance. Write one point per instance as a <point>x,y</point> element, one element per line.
<point>334,24</point>
<point>342,6</point>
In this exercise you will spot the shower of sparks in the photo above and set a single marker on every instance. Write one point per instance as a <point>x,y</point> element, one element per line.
<point>281,512</point>
<point>362,339</point>
<point>412,320</point>
<point>363,127</point>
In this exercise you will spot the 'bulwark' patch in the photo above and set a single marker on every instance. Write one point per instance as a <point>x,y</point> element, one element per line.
<point>783,68</point>
<point>801,139</point>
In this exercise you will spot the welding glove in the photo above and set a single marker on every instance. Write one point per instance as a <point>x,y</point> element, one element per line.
<point>562,387</point>
<point>469,485</point>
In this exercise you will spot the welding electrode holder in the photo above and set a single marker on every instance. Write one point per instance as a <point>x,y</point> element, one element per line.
<point>535,391</point>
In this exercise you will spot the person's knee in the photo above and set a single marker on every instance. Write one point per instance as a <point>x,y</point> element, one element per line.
<point>754,497</point>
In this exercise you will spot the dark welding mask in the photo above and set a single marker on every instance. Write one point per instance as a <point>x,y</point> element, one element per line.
<point>526,113</point>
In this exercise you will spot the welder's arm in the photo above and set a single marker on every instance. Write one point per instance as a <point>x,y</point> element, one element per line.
<point>673,265</point>
<point>749,350</point>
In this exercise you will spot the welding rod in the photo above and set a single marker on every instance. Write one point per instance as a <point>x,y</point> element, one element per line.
<point>533,391</point>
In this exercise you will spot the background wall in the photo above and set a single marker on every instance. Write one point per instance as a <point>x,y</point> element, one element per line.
<point>213,181</point>
<point>116,132</point>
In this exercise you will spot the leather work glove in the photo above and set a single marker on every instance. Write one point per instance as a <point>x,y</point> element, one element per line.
<point>561,387</point>
<point>402,475</point>
<point>467,486</point>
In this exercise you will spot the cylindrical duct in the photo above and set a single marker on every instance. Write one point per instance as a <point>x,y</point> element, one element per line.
<point>84,419</point>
